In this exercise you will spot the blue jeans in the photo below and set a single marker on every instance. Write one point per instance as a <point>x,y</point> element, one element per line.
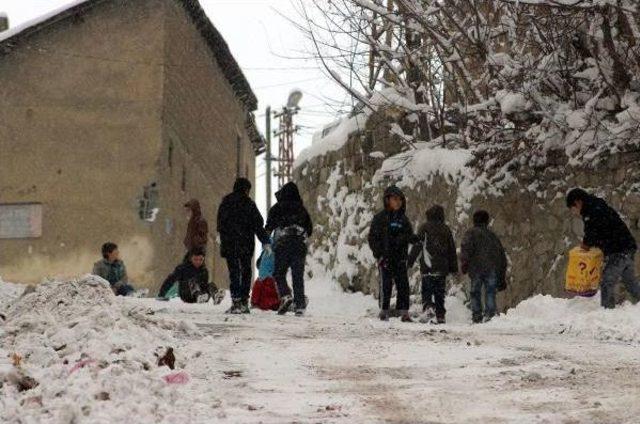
<point>489,282</point>
<point>618,266</point>
<point>122,289</point>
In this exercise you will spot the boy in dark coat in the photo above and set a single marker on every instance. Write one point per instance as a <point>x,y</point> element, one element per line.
<point>239,222</point>
<point>192,278</point>
<point>389,238</point>
<point>438,258</point>
<point>483,257</point>
<point>112,269</point>
<point>291,224</point>
<point>604,229</point>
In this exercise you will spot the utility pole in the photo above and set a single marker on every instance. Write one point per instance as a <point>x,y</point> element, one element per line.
<point>285,134</point>
<point>268,157</point>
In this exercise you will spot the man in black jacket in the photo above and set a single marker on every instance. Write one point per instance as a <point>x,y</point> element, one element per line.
<point>389,238</point>
<point>291,224</point>
<point>604,229</point>
<point>192,278</point>
<point>239,221</point>
<point>483,257</point>
<point>438,258</point>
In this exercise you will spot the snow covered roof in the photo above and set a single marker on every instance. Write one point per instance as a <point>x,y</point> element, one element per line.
<point>9,40</point>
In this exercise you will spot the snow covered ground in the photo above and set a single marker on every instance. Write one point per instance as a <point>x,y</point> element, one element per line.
<point>95,359</point>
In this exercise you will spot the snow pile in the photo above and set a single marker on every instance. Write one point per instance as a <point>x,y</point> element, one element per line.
<point>88,350</point>
<point>423,164</point>
<point>577,316</point>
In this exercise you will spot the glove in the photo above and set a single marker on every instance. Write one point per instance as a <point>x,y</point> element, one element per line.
<point>382,263</point>
<point>267,249</point>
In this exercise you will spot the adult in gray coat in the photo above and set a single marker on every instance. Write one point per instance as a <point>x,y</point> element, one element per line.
<point>483,257</point>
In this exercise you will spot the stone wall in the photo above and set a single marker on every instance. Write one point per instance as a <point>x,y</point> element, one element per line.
<point>530,214</point>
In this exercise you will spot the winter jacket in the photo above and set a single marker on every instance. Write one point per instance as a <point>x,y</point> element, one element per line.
<point>113,272</point>
<point>197,229</point>
<point>391,232</point>
<point>603,228</point>
<point>288,219</point>
<point>436,247</point>
<point>185,275</point>
<point>482,253</point>
<point>239,221</point>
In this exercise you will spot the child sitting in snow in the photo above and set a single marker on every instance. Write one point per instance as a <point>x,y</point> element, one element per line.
<point>191,278</point>
<point>112,269</point>
<point>437,252</point>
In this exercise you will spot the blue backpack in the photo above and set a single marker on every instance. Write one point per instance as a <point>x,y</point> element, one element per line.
<point>266,265</point>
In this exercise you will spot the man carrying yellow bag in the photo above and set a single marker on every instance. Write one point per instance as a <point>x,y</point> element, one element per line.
<point>604,229</point>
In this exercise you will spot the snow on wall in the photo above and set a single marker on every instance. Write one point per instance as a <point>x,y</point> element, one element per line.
<point>340,130</point>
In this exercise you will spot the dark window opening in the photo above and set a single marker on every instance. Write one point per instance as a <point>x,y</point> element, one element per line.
<point>148,209</point>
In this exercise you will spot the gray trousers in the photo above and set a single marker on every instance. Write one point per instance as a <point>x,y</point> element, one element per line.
<point>618,266</point>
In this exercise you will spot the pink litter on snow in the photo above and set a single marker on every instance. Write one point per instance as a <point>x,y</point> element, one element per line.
<point>177,378</point>
<point>81,364</point>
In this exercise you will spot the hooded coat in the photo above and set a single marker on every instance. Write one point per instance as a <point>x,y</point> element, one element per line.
<point>197,229</point>
<point>603,228</point>
<point>436,247</point>
<point>482,253</point>
<point>239,221</point>
<point>288,218</point>
<point>391,232</point>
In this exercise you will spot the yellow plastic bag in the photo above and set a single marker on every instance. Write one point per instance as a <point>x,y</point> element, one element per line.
<point>584,271</point>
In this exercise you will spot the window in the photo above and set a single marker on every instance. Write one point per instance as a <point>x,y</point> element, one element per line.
<point>20,220</point>
<point>149,203</point>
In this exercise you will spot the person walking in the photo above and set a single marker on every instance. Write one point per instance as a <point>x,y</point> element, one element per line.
<point>239,222</point>
<point>390,234</point>
<point>291,225</point>
<point>604,229</point>
<point>436,250</point>
<point>483,257</point>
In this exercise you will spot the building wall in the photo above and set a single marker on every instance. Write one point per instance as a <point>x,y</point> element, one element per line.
<point>80,111</point>
<point>203,122</point>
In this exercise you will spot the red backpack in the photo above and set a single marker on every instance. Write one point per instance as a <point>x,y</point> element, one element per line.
<point>265,294</point>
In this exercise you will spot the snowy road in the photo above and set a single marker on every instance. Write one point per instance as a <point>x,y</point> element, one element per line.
<point>336,369</point>
<point>337,365</point>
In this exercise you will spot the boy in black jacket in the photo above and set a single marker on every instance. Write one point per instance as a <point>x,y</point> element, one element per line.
<point>603,228</point>
<point>438,258</point>
<point>291,224</point>
<point>192,278</point>
<point>389,238</point>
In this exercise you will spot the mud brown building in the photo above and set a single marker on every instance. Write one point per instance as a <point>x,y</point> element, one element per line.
<point>113,113</point>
